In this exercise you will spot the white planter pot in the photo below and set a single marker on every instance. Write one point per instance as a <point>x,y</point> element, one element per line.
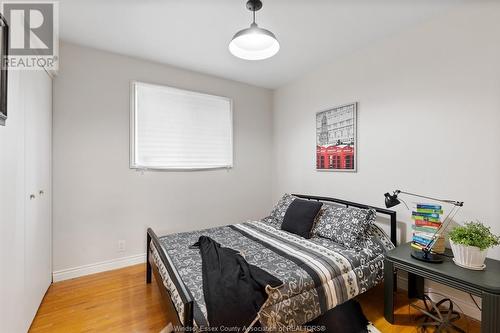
<point>468,256</point>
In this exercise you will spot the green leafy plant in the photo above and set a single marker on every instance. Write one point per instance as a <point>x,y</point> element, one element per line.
<point>474,234</point>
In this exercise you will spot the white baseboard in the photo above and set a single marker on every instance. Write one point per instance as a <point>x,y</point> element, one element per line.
<point>102,266</point>
<point>460,298</point>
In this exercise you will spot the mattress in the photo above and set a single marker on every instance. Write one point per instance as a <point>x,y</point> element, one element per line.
<point>318,274</point>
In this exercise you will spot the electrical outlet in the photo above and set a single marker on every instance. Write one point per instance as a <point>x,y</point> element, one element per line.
<point>121,245</point>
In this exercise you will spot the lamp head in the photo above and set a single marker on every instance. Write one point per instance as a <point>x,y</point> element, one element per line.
<point>392,200</point>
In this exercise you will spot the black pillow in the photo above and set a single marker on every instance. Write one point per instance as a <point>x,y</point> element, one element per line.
<point>299,217</point>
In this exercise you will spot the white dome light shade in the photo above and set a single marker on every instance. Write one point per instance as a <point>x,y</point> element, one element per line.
<point>254,43</point>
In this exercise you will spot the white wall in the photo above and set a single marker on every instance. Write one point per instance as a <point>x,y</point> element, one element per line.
<point>428,117</point>
<point>98,200</point>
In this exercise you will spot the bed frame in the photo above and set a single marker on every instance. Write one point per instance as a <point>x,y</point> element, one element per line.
<point>187,298</point>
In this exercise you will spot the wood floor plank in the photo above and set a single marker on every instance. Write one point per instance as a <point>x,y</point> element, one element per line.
<point>121,301</point>
<point>114,301</point>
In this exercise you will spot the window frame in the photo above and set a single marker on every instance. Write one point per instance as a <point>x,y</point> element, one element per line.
<point>132,129</point>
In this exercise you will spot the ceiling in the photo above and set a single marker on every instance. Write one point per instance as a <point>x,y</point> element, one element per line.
<point>194,34</point>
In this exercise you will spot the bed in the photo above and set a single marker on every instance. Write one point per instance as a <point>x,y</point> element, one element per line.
<point>318,274</point>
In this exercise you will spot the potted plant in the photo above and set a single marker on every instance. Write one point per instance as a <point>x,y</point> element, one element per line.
<point>470,244</point>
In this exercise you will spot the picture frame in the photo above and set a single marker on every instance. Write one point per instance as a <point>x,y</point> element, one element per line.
<point>336,138</point>
<point>4,53</point>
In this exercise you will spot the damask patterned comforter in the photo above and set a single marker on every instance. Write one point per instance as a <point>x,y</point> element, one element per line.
<point>317,273</point>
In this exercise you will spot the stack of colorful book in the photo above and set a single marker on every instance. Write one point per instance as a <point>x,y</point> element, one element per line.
<point>427,220</point>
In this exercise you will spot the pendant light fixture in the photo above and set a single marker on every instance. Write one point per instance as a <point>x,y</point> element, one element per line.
<point>254,43</point>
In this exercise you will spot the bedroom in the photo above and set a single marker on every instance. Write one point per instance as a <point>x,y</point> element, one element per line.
<point>417,83</point>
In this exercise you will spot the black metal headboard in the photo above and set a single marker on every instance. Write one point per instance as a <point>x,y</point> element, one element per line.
<point>390,213</point>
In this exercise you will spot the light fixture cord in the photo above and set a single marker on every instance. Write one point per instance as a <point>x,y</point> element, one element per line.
<point>253,11</point>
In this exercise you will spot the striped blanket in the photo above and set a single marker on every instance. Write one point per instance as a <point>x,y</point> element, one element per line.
<point>317,273</point>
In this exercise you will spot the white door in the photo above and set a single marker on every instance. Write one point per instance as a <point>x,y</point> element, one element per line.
<point>37,94</point>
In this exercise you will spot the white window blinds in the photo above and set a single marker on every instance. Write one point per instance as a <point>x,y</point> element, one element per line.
<point>179,129</point>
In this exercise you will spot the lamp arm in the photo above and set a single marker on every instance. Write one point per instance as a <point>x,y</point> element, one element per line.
<point>443,227</point>
<point>456,207</point>
<point>452,202</point>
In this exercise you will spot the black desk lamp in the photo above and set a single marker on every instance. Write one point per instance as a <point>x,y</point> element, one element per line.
<point>426,254</point>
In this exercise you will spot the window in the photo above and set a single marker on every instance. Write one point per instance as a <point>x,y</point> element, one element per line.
<point>348,162</point>
<point>179,129</point>
<point>336,162</point>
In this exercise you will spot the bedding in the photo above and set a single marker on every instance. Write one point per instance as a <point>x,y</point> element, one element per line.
<point>344,225</point>
<point>317,273</point>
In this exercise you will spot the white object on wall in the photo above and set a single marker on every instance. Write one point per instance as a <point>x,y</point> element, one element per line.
<point>103,266</point>
<point>178,129</point>
<point>37,94</point>
<point>25,199</point>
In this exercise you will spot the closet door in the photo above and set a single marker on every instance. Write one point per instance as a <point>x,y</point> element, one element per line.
<point>38,227</point>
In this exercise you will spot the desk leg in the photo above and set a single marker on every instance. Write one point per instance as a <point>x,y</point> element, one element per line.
<point>490,314</point>
<point>389,291</point>
<point>415,286</point>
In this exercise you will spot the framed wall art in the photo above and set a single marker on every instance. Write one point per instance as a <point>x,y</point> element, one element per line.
<point>4,47</point>
<point>336,139</point>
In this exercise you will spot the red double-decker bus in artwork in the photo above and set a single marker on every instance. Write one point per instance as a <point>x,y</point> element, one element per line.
<point>340,157</point>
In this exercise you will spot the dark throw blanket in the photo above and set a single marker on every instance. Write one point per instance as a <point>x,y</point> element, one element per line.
<point>234,290</point>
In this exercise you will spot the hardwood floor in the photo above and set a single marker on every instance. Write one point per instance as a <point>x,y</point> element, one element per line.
<point>114,301</point>
<point>372,303</point>
<point>121,301</point>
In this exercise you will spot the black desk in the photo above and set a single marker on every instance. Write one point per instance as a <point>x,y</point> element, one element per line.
<point>484,284</point>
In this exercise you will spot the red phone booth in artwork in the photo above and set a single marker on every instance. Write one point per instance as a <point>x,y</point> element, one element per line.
<point>340,157</point>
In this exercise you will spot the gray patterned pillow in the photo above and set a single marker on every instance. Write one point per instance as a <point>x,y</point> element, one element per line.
<point>279,210</point>
<point>345,226</point>
<point>271,221</point>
